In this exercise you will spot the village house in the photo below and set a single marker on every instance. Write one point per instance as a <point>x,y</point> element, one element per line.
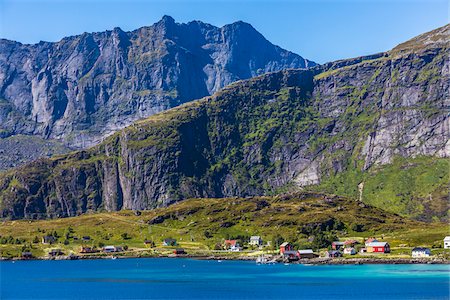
<point>179,251</point>
<point>337,245</point>
<point>86,249</point>
<point>371,240</point>
<point>229,243</point>
<point>255,240</point>
<point>447,242</point>
<point>333,253</point>
<point>55,252</point>
<point>291,255</point>
<point>286,246</point>
<point>110,249</point>
<point>48,239</point>
<point>351,243</point>
<point>169,242</point>
<point>27,255</point>
<point>307,253</point>
<point>148,243</point>
<point>378,247</point>
<point>349,251</point>
<point>420,252</point>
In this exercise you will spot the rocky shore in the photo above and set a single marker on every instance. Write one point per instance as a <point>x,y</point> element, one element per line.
<point>277,259</point>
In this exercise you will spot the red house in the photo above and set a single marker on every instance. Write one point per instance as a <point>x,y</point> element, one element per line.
<point>286,247</point>
<point>230,243</point>
<point>378,247</point>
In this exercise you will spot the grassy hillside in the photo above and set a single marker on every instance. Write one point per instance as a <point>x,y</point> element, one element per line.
<point>415,187</point>
<point>201,224</point>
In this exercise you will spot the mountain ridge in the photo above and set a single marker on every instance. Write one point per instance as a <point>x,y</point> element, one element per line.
<point>337,130</point>
<point>84,87</point>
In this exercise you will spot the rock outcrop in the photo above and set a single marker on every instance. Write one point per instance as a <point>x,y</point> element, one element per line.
<point>83,88</point>
<point>347,128</point>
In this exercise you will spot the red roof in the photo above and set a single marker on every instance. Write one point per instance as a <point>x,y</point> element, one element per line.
<point>371,240</point>
<point>350,242</point>
<point>231,242</point>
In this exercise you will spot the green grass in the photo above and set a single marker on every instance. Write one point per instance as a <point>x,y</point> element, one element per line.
<point>412,187</point>
<point>200,224</point>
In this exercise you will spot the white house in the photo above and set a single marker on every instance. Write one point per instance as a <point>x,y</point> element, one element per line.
<point>349,251</point>
<point>255,240</point>
<point>420,252</point>
<point>447,242</point>
<point>235,248</point>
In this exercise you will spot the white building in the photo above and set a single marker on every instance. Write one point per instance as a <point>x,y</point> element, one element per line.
<point>255,240</point>
<point>420,252</point>
<point>447,242</point>
<point>350,251</point>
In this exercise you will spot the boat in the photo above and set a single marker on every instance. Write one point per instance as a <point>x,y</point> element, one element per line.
<point>113,257</point>
<point>262,260</point>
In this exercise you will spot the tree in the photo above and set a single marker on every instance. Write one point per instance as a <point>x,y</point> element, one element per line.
<point>36,240</point>
<point>125,236</point>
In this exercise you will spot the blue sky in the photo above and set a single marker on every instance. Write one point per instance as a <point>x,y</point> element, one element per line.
<point>321,30</point>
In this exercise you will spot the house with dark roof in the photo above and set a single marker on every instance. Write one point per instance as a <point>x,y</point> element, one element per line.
<point>336,245</point>
<point>48,239</point>
<point>255,240</point>
<point>286,246</point>
<point>333,253</point>
<point>307,253</point>
<point>420,252</point>
<point>170,242</point>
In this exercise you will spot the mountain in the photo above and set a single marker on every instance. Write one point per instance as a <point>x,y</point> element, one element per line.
<point>372,128</point>
<point>85,87</point>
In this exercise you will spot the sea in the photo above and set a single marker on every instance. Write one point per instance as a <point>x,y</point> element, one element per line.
<point>178,278</point>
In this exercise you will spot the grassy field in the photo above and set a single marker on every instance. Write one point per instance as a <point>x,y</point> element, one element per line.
<point>201,225</point>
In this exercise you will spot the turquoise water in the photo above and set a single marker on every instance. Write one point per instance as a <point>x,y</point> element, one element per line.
<point>196,279</point>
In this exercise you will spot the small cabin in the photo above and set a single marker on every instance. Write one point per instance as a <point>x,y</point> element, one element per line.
<point>447,242</point>
<point>286,246</point>
<point>378,247</point>
<point>86,249</point>
<point>170,242</point>
<point>255,240</point>
<point>48,239</point>
<point>179,251</point>
<point>110,249</point>
<point>351,243</point>
<point>336,245</point>
<point>349,251</point>
<point>291,255</point>
<point>27,255</point>
<point>55,252</point>
<point>421,252</point>
<point>333,253</point>
<point>307,253</point>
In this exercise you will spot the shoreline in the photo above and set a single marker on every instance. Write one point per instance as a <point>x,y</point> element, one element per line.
<point>311,261</point>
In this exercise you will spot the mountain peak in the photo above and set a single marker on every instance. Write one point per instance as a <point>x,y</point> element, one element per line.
<point>167,20</point>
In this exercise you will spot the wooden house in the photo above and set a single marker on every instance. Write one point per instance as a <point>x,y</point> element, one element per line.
<point>307,253</point>
<point>420,252</point>
<point>378,247</point>
<point>255,240</point>
<point>336,245</point>
<point>286,246</point>
<point>169,242</point>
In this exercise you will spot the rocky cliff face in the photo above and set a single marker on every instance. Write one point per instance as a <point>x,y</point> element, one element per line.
<point>372,128</point>
<point>85,87</point>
